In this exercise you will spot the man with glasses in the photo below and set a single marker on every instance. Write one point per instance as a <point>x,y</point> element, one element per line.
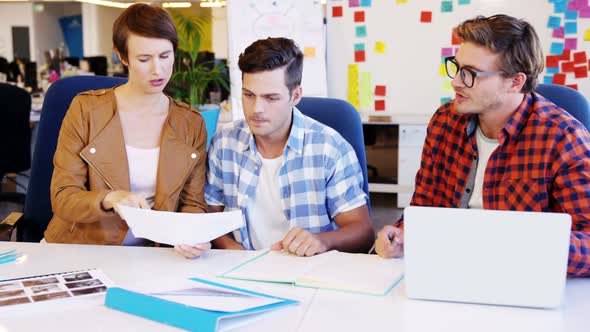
<point>499,145</point>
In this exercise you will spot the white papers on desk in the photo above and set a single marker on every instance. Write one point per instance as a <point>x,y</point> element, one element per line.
<point>180,228</point>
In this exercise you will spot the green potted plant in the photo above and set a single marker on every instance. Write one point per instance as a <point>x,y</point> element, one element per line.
<point>191,78</point>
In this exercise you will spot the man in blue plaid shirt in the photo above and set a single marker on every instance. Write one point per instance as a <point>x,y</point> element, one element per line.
<point>298,182</point>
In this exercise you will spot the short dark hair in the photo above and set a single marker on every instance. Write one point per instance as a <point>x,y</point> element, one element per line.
<point>146,21</point>
<point>272,53</point>
<point>515,40</point>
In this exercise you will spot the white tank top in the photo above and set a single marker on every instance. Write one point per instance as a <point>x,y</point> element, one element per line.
<point>143,172</point>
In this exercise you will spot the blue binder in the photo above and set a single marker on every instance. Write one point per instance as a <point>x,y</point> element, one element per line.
<point>181,315</point>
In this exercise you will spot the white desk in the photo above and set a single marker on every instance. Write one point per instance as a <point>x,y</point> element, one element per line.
<point>319,310</point>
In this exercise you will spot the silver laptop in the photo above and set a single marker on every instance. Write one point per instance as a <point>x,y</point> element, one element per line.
<point>486,256</point>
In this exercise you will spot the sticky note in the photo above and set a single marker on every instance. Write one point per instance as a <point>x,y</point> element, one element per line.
<point>366,3</point>
<point>359,46</point>
<point>580,57</point>
<point>425,16</point>
<point>571,15</point>
<point>446,51</point>
<point>552,61</point>
<point>380,47</point>
<point>445,100</point>
<point>559,79</point>
<point>571,43</point>
<point>559,7</point>
<point>581,72</point>
<point>587,35</point>
<point>558,33</point>
<point>353,3</point>
<point>572,5</point>
<point>379,105</point>
<point>554,22</point>
<point>572,86</point>
<point>565,55</point>
<point>447,87</point>
<point>455,39</point>
<point>359,56</point>
<point>359,16</point>
<point>401,1</point>
<point>464,2</point>
<point>571,28</point>
<point>552,70</point>
<point>567,67</point>
<point>584,13</point>
<point>442,70</point>
<point>337,11</point>
<point>365,91</point>
<point>446,6</point>
<point>556,48</point>
<point>361,31</point>
<point>380,90</point>
<point>548,79</point>
<point>353,85</point>
<point>309,52</point>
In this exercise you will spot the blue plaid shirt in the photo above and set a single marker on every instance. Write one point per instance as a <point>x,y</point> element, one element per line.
<point>320,176</point>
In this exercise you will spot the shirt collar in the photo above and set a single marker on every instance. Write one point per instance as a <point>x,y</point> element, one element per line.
<point>296,134</point>
<point>514,125</point>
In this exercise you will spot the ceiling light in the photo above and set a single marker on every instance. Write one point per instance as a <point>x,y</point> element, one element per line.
<point>176,4</point>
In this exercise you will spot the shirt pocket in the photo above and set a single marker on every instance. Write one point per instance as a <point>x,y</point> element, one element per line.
<point>526,194</point>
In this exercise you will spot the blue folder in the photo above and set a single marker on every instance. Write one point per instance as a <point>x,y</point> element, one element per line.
<point>181,315</point>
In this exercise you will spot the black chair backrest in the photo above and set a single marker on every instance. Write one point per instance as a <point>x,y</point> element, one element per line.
<point>15,130</point>
<point>37,212</point>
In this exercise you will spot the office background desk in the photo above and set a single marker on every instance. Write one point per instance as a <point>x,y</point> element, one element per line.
<point>320,310</point>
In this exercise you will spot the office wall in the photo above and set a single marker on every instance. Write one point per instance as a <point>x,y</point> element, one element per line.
<point>97,29</point>
<point>15,14</point>
<point>47,31</point>
<point>219,32</point>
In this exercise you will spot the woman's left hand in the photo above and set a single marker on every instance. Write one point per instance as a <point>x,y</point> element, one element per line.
<point>192,251</point>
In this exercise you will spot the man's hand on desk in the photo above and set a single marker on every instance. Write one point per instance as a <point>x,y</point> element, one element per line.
<point>390,242</point>
<point>301,242</point>
<point>192,251</point>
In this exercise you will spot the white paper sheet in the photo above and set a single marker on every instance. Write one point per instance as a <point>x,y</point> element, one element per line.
<point>180,228</point>
<point>204,296</point>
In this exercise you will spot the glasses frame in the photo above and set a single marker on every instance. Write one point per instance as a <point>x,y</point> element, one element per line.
<point>473,73</point>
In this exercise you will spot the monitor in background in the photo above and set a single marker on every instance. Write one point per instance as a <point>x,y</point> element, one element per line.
<point>486,256</point>
<point>97,65</point>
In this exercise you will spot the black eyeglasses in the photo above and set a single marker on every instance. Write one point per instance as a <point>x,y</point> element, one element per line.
<point>468,75</point>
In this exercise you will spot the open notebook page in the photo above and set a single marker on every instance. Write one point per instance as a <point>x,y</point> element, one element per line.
<point>359,273</point>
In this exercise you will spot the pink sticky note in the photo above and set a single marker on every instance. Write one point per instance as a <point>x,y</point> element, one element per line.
<point>446,51</point>
<point>353,3</point>
<point>558,33</point>
<point>571,44</point>
<point>584,13</point>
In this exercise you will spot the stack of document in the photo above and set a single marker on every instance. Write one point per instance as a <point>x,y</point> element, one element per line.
<point>193,304</point>
<point>180,228</point>
<point>358,273</point>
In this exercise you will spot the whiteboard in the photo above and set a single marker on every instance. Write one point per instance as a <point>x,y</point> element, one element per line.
<point>300,20</point>
<point>409,68</point>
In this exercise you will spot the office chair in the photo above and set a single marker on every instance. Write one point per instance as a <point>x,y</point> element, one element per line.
<point>569,99</point>
<point>15,142</point>
<point>344,118</point>
<point>37,211</point>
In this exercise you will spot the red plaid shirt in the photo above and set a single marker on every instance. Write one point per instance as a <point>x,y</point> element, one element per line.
<point>542,163</point>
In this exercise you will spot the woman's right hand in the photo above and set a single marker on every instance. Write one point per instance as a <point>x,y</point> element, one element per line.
<point>114,198</point>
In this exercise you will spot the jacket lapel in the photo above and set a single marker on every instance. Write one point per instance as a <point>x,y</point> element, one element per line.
<point>106,153</point>
<point>177,159</point>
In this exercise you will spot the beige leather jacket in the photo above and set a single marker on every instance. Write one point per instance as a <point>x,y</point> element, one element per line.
<point>91,160</point>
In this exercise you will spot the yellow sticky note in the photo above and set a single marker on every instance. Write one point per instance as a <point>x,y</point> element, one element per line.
<point>587,35</point>
<point>447,87</point>
<point>379,47</point>
<point>309,52</point>
<point>443,70</point>
<point>353,85</point>
<point>401,1</point>
<point>366,94</point>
